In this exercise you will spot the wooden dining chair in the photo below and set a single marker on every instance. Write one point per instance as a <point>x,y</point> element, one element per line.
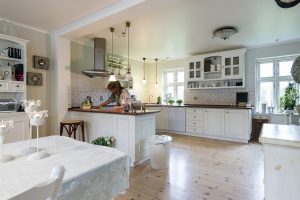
<point>47,190</point>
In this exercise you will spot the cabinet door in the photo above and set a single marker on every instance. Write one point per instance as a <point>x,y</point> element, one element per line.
<point>158,117</point>
<point>176,119</point>
<point>237,124</point>
<point>164,119</point>
<point>88,127</point>
<point>214,122</point>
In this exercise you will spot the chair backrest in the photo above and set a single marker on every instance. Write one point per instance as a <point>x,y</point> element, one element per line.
<point>47,190</point>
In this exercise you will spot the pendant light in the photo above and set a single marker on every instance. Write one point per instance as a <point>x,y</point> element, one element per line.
<point>112,77</point>
<point>128,75</point>
<point>156,84</point>
<point>144,80</point>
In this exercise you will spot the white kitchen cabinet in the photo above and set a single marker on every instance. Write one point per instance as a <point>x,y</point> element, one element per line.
<point>176,119</point>
<point>88,126</point>
<point>20,130</point>
<point>132,132</point>
<point>214,122</point>
<point>233,65</point>
<point>237,123</point>
<point>159,118</point>
<point>194,121</point>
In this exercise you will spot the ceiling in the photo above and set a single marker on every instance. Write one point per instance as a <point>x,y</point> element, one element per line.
<point>163,28</point>
<point>49,15</point>
<point>185,28</point>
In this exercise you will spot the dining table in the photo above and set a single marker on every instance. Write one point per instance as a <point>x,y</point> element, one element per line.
<point>92,172</point>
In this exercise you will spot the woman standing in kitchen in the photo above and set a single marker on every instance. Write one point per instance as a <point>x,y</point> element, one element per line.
<point>118,94</point>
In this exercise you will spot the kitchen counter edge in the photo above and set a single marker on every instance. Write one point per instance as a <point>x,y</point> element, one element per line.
<point>113,112</point>
<point>199,106</point>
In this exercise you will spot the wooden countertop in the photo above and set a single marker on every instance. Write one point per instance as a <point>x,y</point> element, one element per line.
<point>282,135</point>
<point>200,106</point>
<point>111,111</point>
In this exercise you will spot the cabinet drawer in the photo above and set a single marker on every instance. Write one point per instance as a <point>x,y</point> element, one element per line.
<point>194,130</point>
<point>3,85</point>
<point>197,111</point>
<point>16,86</point>
<point>190,117</point>
<point>194,123</point>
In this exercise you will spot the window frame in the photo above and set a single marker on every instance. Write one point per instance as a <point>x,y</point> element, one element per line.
<point>175,84</point>
<point>276,79</point>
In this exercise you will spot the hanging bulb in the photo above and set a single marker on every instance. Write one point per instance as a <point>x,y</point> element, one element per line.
<point>144,81</point>
<point>112,78</point>
<point>156,84</point>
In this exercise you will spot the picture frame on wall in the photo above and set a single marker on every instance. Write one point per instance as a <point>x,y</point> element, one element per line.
<point>35,79</point>
<point>40,62</point>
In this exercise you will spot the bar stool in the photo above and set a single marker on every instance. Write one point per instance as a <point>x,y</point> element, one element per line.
<point>71,127</point>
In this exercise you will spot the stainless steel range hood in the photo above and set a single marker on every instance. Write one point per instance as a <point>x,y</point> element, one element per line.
<point>99,60</point>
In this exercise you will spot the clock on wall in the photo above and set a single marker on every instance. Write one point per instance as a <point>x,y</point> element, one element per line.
<point>287,3</point>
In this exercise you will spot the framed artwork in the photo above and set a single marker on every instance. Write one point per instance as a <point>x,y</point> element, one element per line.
<point>34,79</point>
<point>40,62</point>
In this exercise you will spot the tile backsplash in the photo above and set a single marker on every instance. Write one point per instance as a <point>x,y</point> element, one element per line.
<point>77,94</point>
<point>217,96</point>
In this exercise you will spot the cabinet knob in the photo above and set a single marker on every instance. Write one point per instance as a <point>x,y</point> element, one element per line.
<point>0,85</point>
<point>205,111</point>
<point>226,111</point>
<point>18,85</point>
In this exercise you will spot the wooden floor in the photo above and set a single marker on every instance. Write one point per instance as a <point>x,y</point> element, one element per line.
<point>201,169</point>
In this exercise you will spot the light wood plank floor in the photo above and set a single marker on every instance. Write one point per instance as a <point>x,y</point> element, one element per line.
<point>201,169</point>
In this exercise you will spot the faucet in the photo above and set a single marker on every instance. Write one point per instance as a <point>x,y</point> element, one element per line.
<point>149,98</point>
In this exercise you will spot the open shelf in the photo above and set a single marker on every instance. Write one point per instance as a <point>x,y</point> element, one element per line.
<point>10,59</point>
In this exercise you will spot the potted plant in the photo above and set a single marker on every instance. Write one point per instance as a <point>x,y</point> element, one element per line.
<point>158,100</point>
<point>171,101</point>
<point>104,141</point>
<point>288,100</point>
<point>179,102</point>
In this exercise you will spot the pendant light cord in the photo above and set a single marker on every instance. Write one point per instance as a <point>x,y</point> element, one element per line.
<point>144,68</point>
<point>156,70</point>
<point>128,25</point>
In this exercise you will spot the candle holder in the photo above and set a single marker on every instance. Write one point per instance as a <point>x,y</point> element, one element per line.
<point>29,107</point>
<point>4,129</point>
<point>37,119</point>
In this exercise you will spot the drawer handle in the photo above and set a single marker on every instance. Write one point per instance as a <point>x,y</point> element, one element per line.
<point>0,85</point>
<point>205,111</point>
<point>18,85</point>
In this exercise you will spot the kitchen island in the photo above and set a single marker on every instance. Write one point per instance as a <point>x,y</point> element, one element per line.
<point>131,130</point>
<point>281,145</point>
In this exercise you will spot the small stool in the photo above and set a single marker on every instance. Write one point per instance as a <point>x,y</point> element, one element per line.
<point>71,127</point>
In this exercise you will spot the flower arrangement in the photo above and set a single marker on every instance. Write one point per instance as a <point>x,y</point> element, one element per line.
<point>104,141</point>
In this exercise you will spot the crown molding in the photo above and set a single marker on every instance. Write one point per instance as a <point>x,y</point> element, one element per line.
<point>273,44</point>
<point>95,16</point>
<point>25,26</point>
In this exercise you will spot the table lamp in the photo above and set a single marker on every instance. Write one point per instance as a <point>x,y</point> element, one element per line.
<point>4,129</point>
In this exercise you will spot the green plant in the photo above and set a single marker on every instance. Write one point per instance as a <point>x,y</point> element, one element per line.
<point>158,100</point>
<point>179,102</point>
<point>171,101</point>
<point>104,141</point>
<point>288,100</point>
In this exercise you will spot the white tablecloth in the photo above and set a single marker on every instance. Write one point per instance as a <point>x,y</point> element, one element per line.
<point>92,172</point>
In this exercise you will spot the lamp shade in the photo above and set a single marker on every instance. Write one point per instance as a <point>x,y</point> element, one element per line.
<point>112,78</point>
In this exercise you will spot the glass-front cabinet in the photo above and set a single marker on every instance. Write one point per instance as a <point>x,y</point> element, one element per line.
<point>195,71</point>
<point>232,66</point>
<point>217,70</point>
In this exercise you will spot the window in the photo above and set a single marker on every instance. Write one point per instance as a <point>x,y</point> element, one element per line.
<point>173,83</point>
<point>272,77</point>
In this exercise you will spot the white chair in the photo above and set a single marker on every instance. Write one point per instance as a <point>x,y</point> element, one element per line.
<point>47,190</point>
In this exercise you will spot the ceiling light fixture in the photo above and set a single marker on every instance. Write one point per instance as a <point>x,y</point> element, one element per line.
<point>224,32</point>
<point>287,3</point>
<point>144,79</point>
<point>156,84</point>
<point>112,77</point>
<point>128,75</point>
